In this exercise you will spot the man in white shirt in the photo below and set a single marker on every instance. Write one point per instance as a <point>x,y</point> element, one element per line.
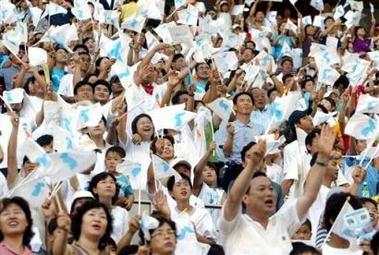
<point>255,232</point>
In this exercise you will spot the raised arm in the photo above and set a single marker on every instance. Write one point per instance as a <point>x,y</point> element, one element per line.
<point>316,174</point>
<point>60,246</point>
<point>12,150</point>
<point>198,179</point>
<point>233,202</point>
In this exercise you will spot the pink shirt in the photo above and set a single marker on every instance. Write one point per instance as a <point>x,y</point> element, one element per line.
<point>5,249</point>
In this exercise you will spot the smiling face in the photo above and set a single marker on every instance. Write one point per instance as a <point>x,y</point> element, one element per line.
<point>163,240</point>
<point>94,223</point>
<point>261,198</point>
<point>244,105</point>
<point>145,128</point>
<point>101,94</point>
<point>13,220</point>
<point>165,149</point>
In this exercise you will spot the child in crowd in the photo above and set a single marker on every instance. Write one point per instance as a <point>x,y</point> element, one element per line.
<point>113,157</point>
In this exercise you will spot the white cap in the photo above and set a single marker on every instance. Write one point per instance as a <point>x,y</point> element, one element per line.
<point>180,161</point>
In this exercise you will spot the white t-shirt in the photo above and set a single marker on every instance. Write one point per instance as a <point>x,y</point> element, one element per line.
<point>212,197</point>
<point>296,163</point>
<point>202,220</point>
<point>66,86</point>
<point>317,209</point>
<point>243,235</point>
<point>328,250</point>
<point>120,223</point>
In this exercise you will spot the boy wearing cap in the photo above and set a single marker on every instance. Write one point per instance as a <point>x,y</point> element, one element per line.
<point>296,159</point>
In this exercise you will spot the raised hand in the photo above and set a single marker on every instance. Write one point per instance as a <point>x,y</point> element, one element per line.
<point>326,142</point>
<point>256,153</point>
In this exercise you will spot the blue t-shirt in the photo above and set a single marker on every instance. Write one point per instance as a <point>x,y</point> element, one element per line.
<point>125,186</point>
<point>56,77</point>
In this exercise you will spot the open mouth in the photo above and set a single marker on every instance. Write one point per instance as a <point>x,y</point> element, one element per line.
<point>269,202</point>
<point>13,224</point>
<point>96,226</point>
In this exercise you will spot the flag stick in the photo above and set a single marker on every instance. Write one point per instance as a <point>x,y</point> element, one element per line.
<point>139,201</point>
<point>173,12</point>
<point>364,155</point>
<point>213,137</point>
<point>376,150</point>
<point>57,200</point>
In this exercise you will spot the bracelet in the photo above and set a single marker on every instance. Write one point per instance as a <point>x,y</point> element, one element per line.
<point>323,164</point>
<point>191,95</point>
<point>271,75</point>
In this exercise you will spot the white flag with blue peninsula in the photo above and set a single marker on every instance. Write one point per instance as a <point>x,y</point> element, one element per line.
<point>361,126</point>
<point>171,117</point>
<point>367,104</point>
<point>162,169</point>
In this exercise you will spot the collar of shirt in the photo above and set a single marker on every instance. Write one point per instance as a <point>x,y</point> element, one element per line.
<point>240,124</point>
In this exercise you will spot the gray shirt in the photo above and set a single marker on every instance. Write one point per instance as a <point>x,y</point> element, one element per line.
<point>243,134</point>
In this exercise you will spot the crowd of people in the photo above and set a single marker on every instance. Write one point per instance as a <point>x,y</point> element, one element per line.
<point>248,127</point>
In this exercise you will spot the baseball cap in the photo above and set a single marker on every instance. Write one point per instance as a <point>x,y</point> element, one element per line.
<point>296,116</point>
<point>180,161</point>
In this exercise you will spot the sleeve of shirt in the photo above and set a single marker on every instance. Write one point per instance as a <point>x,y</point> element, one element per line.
<point>225,226</point>
<point>289,162</point>
<point>207,228</point>
<point>288,216</point>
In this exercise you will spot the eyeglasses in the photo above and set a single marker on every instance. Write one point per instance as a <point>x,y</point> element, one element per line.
<point>161,233</point>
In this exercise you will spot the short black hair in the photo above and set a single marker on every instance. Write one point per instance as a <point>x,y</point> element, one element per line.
<point>100,177</point>
<point>176,96</point>
<point>44,140</point>
<point>235,98</point>
<point>171,181</point>
<point>103,83</point>
<point>334,205</point>
<point>255,175</point>
<point>153,143</point>
<point>135,121</point>
<point>116,149</point>
<point>299,248</point>
<point>23,204</point>
<point>328,18</point>
<point>245,149</point>
<point>286,76</point>
<point>270,91</point>
<point>177,56</point>
<point>311,136</point>
<point>76,224</point>
<point>368,200</point>
<point>129,250</point>
<point>201,63</point>
<point>331,101</point>
<point>81,46</point>
<point>81,84</point>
